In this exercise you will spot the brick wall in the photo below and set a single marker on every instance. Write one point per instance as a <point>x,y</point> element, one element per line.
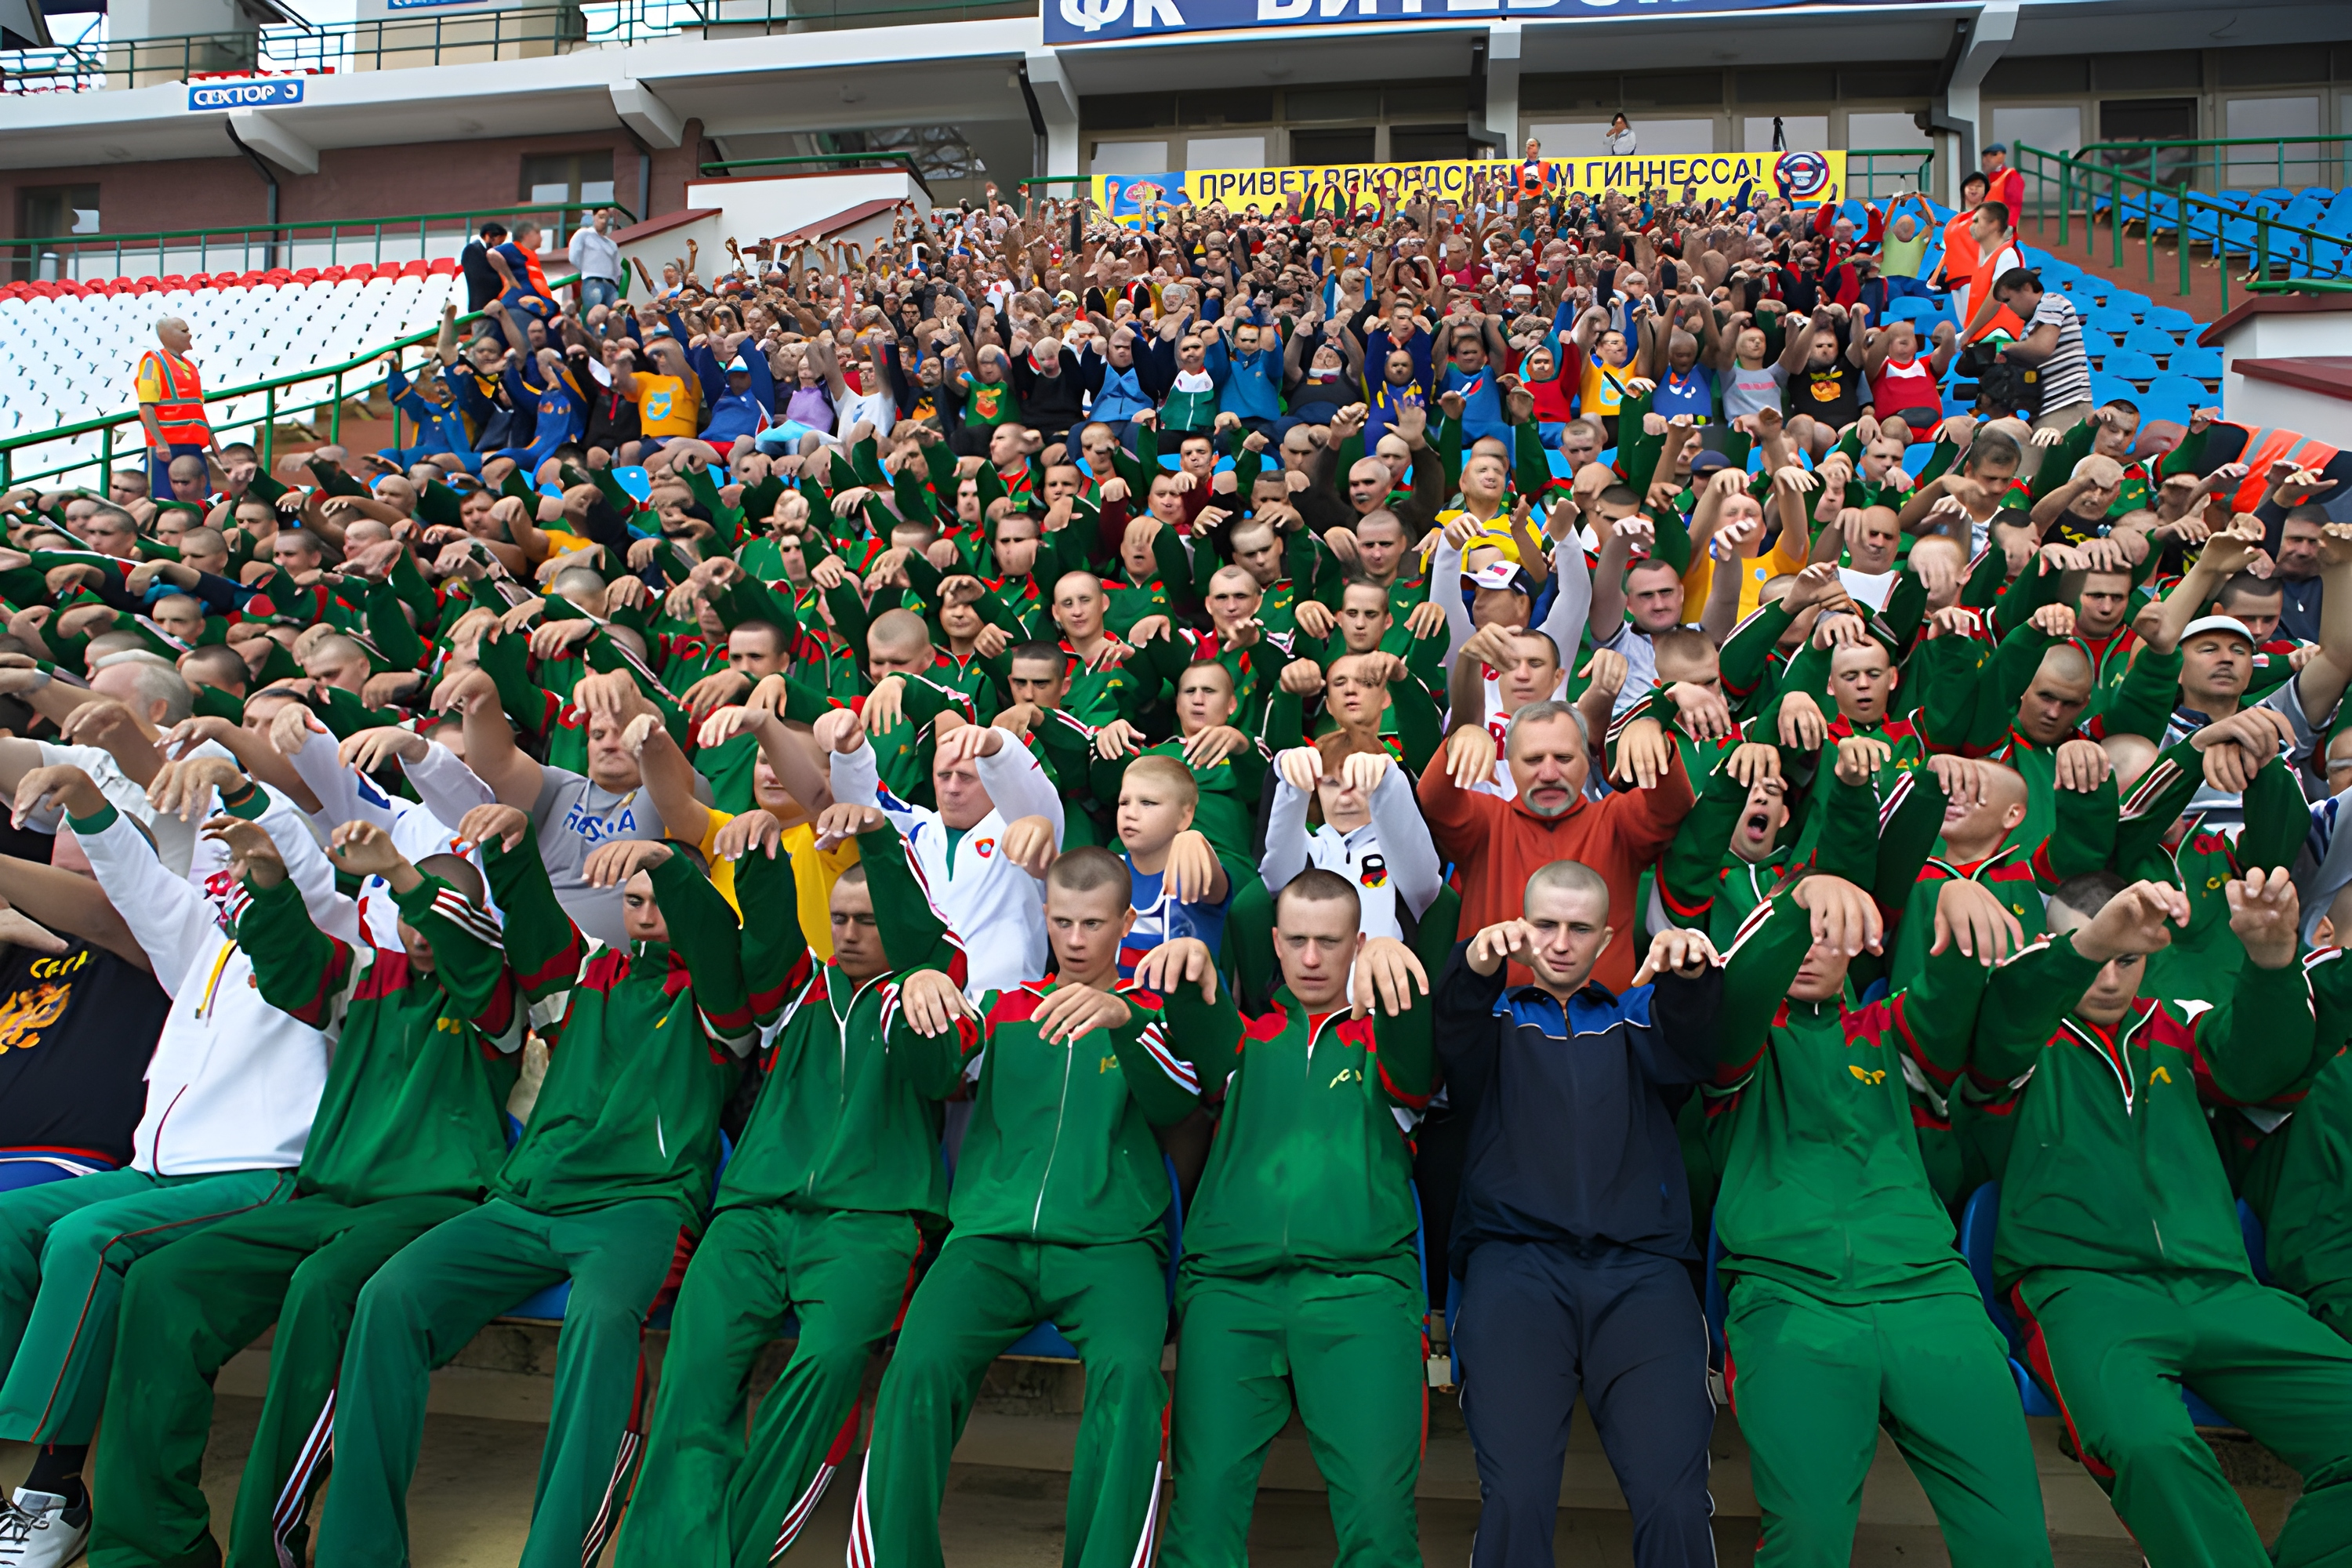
<point>352,181</point>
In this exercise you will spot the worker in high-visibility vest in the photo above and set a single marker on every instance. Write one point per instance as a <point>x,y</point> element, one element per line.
<point>172,406</point>
<point>1534,174</point>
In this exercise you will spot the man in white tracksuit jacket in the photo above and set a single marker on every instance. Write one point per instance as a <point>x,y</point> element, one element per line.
<point>231,1091</point>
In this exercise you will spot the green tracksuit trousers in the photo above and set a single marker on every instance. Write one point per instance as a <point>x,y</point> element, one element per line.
<point>1812,1383</point>
<point>984,1292</point>
<point>186,1312</point>
<point>64,1249</point>
<point>1347,1348</point>
<point>705,1499</point>
<point>421,1308</point>
<point>2332,1305</point>
<point>2115,1351</point>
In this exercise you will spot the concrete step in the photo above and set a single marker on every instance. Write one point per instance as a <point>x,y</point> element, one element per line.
<point>1024,1425</point>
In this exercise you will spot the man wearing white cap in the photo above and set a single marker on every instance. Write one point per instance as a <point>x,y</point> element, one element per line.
<point>2216,661</point>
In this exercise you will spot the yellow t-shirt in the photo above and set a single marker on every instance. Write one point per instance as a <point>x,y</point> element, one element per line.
<point>814,871</point>
<point>1755,570</point>
<point>1603,389</point>
<point>669,404</point>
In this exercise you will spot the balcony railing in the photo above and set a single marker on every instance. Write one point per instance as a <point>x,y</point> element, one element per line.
<point>318,242</point>
<point>472,37</point>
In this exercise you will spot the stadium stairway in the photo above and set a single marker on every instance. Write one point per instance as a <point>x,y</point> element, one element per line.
<point>68,351</point>
<point>488,1406</point>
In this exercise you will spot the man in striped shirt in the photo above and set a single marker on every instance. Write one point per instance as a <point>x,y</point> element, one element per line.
<point>2052,348</point>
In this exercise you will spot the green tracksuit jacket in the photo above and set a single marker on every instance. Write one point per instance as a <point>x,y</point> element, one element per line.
<point>642,1045</point>
<point>2112,1166</point>
<point>1824,1189</point>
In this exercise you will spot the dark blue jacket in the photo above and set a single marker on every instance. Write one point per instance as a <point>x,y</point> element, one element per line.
<point>1572,1118</point>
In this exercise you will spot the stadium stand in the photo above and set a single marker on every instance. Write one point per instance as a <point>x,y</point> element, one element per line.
<point>65,347</point>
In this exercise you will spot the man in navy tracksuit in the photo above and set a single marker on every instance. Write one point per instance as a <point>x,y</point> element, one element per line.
<point>1573,1237</point>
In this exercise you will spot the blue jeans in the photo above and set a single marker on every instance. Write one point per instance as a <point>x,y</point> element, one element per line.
<point>595,292</point>
<point>1906,288</point>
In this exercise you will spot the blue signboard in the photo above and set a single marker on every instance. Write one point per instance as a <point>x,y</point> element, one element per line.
<point>256,94</point>
<point>1104,21</point>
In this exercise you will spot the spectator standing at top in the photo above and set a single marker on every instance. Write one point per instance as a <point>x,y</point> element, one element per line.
<point>597,261</point>
<point>171,404</point>
<point>1994,232</point>
<point>482,284</point>
<point>2004,185</point>
<point>1620,138</point>
<point>1960,263</point>
<point>1534,174</point>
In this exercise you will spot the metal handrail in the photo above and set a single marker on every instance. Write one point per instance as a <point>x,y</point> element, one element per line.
<point>416,39</point>
<point>289,235</point>
<point>2220,163</point>
<point>1924,156</point>
<point>106,424</point>
<point>2183,201</point>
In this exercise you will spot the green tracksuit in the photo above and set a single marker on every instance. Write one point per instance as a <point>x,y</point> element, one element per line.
<point>411,1126</point>
<point>1058,1209</point>
<point>1299,1275</point>
<point>2295,1170</point>
<point>2119,1249</point>
<point>606,1188</point>
<point>818,1217</point>
<point>1850,1308</point>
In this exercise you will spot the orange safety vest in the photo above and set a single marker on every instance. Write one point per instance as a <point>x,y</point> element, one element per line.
<point>1534,175</point>
<point>2265,448</point>
<point>180,416</point>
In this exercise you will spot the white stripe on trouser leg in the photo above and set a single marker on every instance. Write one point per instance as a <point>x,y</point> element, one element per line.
<point>798,1514</point>
<point>287,1513</point>
<point>861,1528</point>
<point>600,1530</point>
<point>1147,1542</point>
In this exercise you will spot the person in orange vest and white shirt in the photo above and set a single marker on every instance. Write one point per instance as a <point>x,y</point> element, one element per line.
<point>1534,174</point>
<point>1993,228</point>
<point>172,404</point>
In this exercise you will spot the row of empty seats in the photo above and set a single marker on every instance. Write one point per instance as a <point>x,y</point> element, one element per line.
<point>68,351</point>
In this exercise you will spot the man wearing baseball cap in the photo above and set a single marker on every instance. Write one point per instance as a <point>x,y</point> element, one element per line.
<point>2005,185</point>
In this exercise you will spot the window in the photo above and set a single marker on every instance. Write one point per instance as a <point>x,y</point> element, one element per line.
<point>1310,149</point>
<point>44,211</point>
<point>1428,143</point>
<point>572,178</point>
<point>2147,119</point>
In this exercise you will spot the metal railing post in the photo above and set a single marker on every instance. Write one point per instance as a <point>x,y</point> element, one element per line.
<point>2065,198</point>
<point>2181,239</point>
<point>269,428</point>
<point>335,420</point>
<point>105,453</point>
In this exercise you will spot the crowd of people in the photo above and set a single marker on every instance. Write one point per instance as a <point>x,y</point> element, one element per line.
<point>1460,727</point>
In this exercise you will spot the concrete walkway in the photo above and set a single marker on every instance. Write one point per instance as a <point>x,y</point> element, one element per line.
<point>474,1485</point>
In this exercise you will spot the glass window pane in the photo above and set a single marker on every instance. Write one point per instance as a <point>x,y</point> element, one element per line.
<point>599,191</point>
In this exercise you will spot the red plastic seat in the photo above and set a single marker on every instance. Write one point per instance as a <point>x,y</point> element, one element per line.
<point>444,267</point>
<point>415,268</point>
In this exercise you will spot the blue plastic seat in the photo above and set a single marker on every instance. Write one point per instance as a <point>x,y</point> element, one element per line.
<point>2198,359</point>
<point>1044,1341</point>
<point>2125,299</point>
<point>1912,309</point>
<point>2154,342</point>
<point>2131,364</point>
<point>2109,319</point>
<point>2106,388</point>
<point>2096,344</point>
<point>2169,318</point>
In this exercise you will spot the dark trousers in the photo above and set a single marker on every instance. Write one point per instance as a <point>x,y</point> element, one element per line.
<point>1626,1328</point>
<point>1441,1148</point>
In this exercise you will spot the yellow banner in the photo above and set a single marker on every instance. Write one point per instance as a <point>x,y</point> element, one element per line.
<point>1717,176</point>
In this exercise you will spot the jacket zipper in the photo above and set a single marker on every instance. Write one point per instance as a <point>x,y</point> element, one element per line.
<point>1061,1115</point>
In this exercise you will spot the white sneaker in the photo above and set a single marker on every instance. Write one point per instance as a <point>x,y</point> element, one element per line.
<point>38,1531</point>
